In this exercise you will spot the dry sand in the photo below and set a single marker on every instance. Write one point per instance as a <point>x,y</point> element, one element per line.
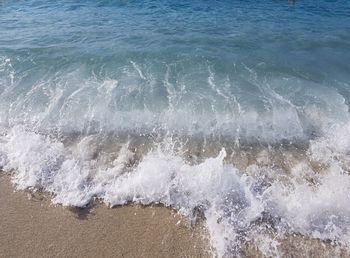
<point>36,228</point>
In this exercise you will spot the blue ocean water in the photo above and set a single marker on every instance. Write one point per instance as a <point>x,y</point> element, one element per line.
<point>129,101</point>
<point>228,67</point>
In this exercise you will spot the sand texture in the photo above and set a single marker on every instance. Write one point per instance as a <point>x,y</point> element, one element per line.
<point>36,228</point>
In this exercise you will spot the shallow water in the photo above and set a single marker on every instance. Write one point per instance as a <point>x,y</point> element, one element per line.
<point>235,109</point>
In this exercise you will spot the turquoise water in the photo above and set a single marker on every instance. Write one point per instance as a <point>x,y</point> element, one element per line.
<point>224,67</point>
<point>238,110</point>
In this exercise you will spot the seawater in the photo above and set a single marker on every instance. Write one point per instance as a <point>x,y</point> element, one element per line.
<point>238,110</point>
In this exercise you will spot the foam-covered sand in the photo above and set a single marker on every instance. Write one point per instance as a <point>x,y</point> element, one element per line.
<point>34,228</point>
<point>279,195</point>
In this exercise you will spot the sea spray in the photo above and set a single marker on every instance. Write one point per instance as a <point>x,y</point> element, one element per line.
<point>236,205</point>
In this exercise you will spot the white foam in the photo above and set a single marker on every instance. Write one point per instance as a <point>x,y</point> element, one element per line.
<point>229,199</point>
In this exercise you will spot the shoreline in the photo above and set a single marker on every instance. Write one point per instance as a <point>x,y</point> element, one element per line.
<point>32,227</point>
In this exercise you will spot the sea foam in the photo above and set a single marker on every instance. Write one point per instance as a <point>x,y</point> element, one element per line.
<point>237,205</point>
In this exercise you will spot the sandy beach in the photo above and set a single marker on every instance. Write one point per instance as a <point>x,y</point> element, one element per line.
<point>32,227</point>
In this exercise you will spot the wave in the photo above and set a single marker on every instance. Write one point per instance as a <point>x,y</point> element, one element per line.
<point>287,189</point>
<point>243,102</point>
<point>258,157</point>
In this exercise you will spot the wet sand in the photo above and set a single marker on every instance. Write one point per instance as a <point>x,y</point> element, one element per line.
<point>32,227</point>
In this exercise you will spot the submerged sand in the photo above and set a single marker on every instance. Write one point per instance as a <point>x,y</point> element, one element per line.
<point>36,228</point>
